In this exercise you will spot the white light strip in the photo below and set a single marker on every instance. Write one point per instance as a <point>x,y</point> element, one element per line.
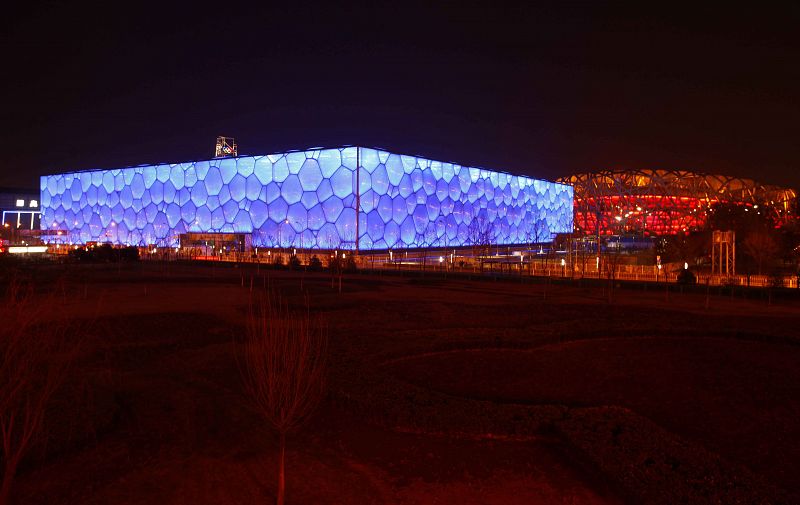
<point>20,249</point>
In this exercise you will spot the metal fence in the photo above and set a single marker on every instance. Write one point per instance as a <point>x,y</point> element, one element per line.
<point>504,265</point>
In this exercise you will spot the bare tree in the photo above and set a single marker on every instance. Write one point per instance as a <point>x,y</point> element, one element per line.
<point>34,359</point>
<point>481,235</point>
<point>426,240</point>
<point>284,360</point>
<point>612,264</point>
<point>687,247</point>
<point>761,246</point>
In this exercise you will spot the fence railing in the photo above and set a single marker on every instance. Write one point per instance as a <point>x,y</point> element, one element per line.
<point>507,265</point>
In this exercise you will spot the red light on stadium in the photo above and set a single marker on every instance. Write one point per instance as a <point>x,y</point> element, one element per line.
<point>665,202</point>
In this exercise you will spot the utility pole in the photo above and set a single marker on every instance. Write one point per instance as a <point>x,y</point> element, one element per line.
<point>358,193</point>
<point>598,213</point>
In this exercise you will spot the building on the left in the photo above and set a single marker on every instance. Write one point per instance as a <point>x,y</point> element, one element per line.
<point>20,213</point>
<point>347,197</point>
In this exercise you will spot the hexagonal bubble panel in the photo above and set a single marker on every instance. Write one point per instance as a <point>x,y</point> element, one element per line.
<point>280,169</point>
<point>369,160</point>
<point>310,175</point>
<point>332,207</point>
<point>309,199</point>
<point>237,187</point>
<point>329,161</point>
<point>399,209</point>
<point>297,217</point>
<point>385,208</point>
<point>316,217</point>
<point>252,189</point>
<point>375,225</point>
<point>346,225</point>
<point>342,182</point>
<point>291,189</point>
<point>405,201</point>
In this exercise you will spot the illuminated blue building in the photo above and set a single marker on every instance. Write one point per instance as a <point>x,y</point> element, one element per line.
<point>304,199</point>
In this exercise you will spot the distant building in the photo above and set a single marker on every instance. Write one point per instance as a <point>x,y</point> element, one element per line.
<point>666,202</point>
<point>20,208</point>
<point>347,198</point>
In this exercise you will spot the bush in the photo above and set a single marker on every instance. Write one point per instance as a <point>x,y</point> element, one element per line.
<point>315,264</point>
<point>686,276</point>
<point>277,260</point>
<point>294,262</point>
<point>78,254</point>
<point>775,279</point>
<point>105,253</point>
<point>338,264</point>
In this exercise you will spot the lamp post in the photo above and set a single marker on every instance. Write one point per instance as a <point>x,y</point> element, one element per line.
<point>280,234</point>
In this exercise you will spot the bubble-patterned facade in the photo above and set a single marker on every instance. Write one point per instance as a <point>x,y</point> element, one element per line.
<point>317,199</point>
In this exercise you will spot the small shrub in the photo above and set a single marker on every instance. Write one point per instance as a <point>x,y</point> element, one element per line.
<point>775,279</point>
<point>294,262</point>
<point>315,264</point>
<point>129,254</point>
<point>79,254</point>
<point>105,253</point>
<point>350,264</point>
<point>277,260</point>
<point>686,277</point>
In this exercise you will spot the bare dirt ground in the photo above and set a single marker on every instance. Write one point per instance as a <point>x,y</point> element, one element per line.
<point>440,391</point>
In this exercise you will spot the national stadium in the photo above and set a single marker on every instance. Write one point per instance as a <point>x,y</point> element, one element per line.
<point>666,202</point>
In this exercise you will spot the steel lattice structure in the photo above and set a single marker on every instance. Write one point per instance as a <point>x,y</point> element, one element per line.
<point>663,202</point>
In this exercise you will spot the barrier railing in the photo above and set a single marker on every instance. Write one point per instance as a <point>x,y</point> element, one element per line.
<point>504,265</point>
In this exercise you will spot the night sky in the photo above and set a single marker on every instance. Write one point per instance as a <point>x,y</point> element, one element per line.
<point>543,91</point>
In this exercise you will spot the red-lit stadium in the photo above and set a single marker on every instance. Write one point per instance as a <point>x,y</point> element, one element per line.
<point>665,202</point>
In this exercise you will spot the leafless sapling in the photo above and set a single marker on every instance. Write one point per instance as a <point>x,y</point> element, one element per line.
<point>283,366</point>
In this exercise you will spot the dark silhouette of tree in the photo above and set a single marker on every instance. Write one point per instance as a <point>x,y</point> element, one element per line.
<point>762,247</point>
<point>283,366</point>
<point>739,218</point>
<point>686,247</point>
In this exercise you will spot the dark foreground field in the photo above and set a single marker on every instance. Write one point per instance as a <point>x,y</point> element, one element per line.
<point>440,391</point>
